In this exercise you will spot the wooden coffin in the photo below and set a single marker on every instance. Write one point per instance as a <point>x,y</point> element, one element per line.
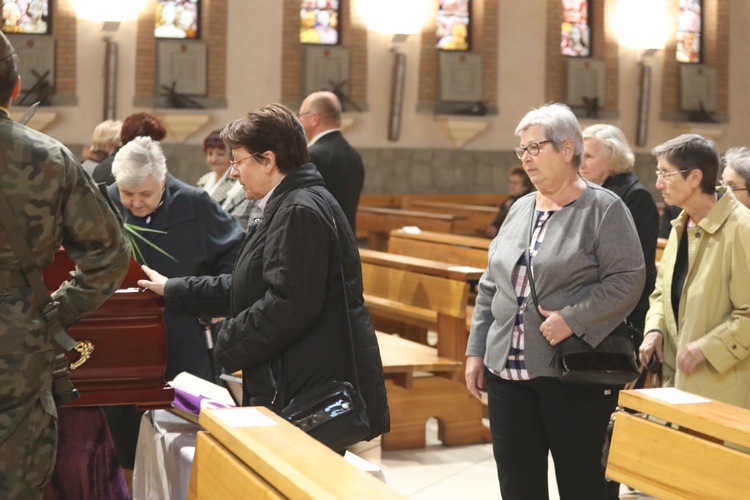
<point>129,337</point>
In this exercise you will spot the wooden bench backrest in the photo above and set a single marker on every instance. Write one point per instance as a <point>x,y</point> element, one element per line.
<point>448,249</point>
<point>489,199</point>
<point>448,207</point>
<point>274,461</point>
<point>661,243</point>
<point>379,200</point>
<point>419,265</point>
<point>400,200</point>
<point>690,461</point>
<point>441,295</point>
<point>475,220</point>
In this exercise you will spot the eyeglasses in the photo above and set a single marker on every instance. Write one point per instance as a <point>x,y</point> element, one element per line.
<point>300,115</point>
<point>732,188</point>
<point>533,149</point>
<point>237,163</point>
<point>663,174</point>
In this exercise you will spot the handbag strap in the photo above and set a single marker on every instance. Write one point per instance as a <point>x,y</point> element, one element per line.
<point>346,300</point>
<point>530,272</point>
<point>33,275</point>
<point>348,317</point>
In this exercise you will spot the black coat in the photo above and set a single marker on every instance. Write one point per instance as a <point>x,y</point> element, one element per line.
<point>205,240</point>
<point>103,172</point>
<point>342,170</point>
<point>646,217</point>
<point>285,299</point>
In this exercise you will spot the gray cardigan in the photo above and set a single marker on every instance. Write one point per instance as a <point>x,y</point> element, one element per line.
<point>589,267</point>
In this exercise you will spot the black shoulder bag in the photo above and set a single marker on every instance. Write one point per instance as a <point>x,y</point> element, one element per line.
<point>62,388</point>
<point>612,362</point>
<point>334,413</point>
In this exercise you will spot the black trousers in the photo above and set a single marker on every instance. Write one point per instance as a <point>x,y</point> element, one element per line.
<point>531,418</point>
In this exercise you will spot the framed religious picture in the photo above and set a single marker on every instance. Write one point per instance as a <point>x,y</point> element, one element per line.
<point>319,22</point>
<point>575,32</point>
<point>27,16</point>
<point>453,24</point>
<point>689,29</point>
<point>177,19</point>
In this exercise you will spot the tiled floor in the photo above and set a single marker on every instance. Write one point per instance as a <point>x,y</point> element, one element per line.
<point>438,472</point>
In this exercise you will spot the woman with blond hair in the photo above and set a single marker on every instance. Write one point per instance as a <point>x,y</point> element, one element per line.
<point>103,144</point>
<point>608,162</point>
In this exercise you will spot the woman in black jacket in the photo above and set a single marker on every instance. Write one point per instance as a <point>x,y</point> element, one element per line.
<point>287,319</point>
<point>608,161</point>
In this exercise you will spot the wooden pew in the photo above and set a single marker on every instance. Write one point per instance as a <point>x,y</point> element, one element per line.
<point>414,399</point>
<point>425,293</point>
<point>477,217</point>
<point>418,390</point>
<point>451,248</point>
<point>680,450</point>
<point>239,457</point>
<point>489,199</point>
<point>378,222</point>
<point>397,200</point>
<point>380,200</point>
<point>661,243</point>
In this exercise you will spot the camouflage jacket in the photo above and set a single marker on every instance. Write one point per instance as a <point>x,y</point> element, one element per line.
<point>58,204</point>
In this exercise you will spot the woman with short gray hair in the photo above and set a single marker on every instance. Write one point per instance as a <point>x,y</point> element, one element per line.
<point>200,237</point>
<point>137,161</point>
<point>589,272</point>
<point>698,324</point>
<point>736,174</point>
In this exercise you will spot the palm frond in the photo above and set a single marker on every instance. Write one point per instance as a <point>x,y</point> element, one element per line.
<point>132,232</point>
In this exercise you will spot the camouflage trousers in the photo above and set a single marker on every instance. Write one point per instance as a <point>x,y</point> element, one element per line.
<point>28,417</point>
<point>28,424</point>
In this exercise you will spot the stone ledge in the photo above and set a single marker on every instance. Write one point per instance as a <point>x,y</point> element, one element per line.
<point>39,121</point>
<point>180,126</point>
<point>461,130</point>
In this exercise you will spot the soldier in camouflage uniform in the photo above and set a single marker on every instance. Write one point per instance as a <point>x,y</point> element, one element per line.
<point>56,204</point>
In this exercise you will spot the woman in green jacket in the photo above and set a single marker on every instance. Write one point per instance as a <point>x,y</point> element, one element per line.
<point>698,323</point>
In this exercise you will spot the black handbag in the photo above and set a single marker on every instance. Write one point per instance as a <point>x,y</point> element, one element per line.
<point>334,412</point>
<point>331,413</point>
<point>612,362</point>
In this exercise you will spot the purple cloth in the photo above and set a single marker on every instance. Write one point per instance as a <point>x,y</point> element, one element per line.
<point>87,466</point>
<point>192,403</point>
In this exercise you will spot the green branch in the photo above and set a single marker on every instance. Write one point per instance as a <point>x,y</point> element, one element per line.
<point>132,233</point>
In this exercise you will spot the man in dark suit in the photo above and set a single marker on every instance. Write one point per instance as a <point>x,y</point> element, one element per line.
<point>337,161</point>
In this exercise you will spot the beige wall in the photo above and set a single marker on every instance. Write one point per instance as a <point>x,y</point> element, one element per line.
<point>254,79</point>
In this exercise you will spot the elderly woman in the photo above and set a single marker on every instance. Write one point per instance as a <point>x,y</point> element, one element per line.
<point>519,185</point>
<point>218,182</point>
<point>589,272</point>
<point>287,326</point>
<point>608,162</point>
<point>103,144</point>
<point>736,174</point>
<point>699,321</point>
<point>135,125</point>
<point>201,238</point>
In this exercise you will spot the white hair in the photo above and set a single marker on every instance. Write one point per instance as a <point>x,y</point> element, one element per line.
<point>138,160</point>
<point>738,159</point>
<point>560,125</point>
<point>621,157</point>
